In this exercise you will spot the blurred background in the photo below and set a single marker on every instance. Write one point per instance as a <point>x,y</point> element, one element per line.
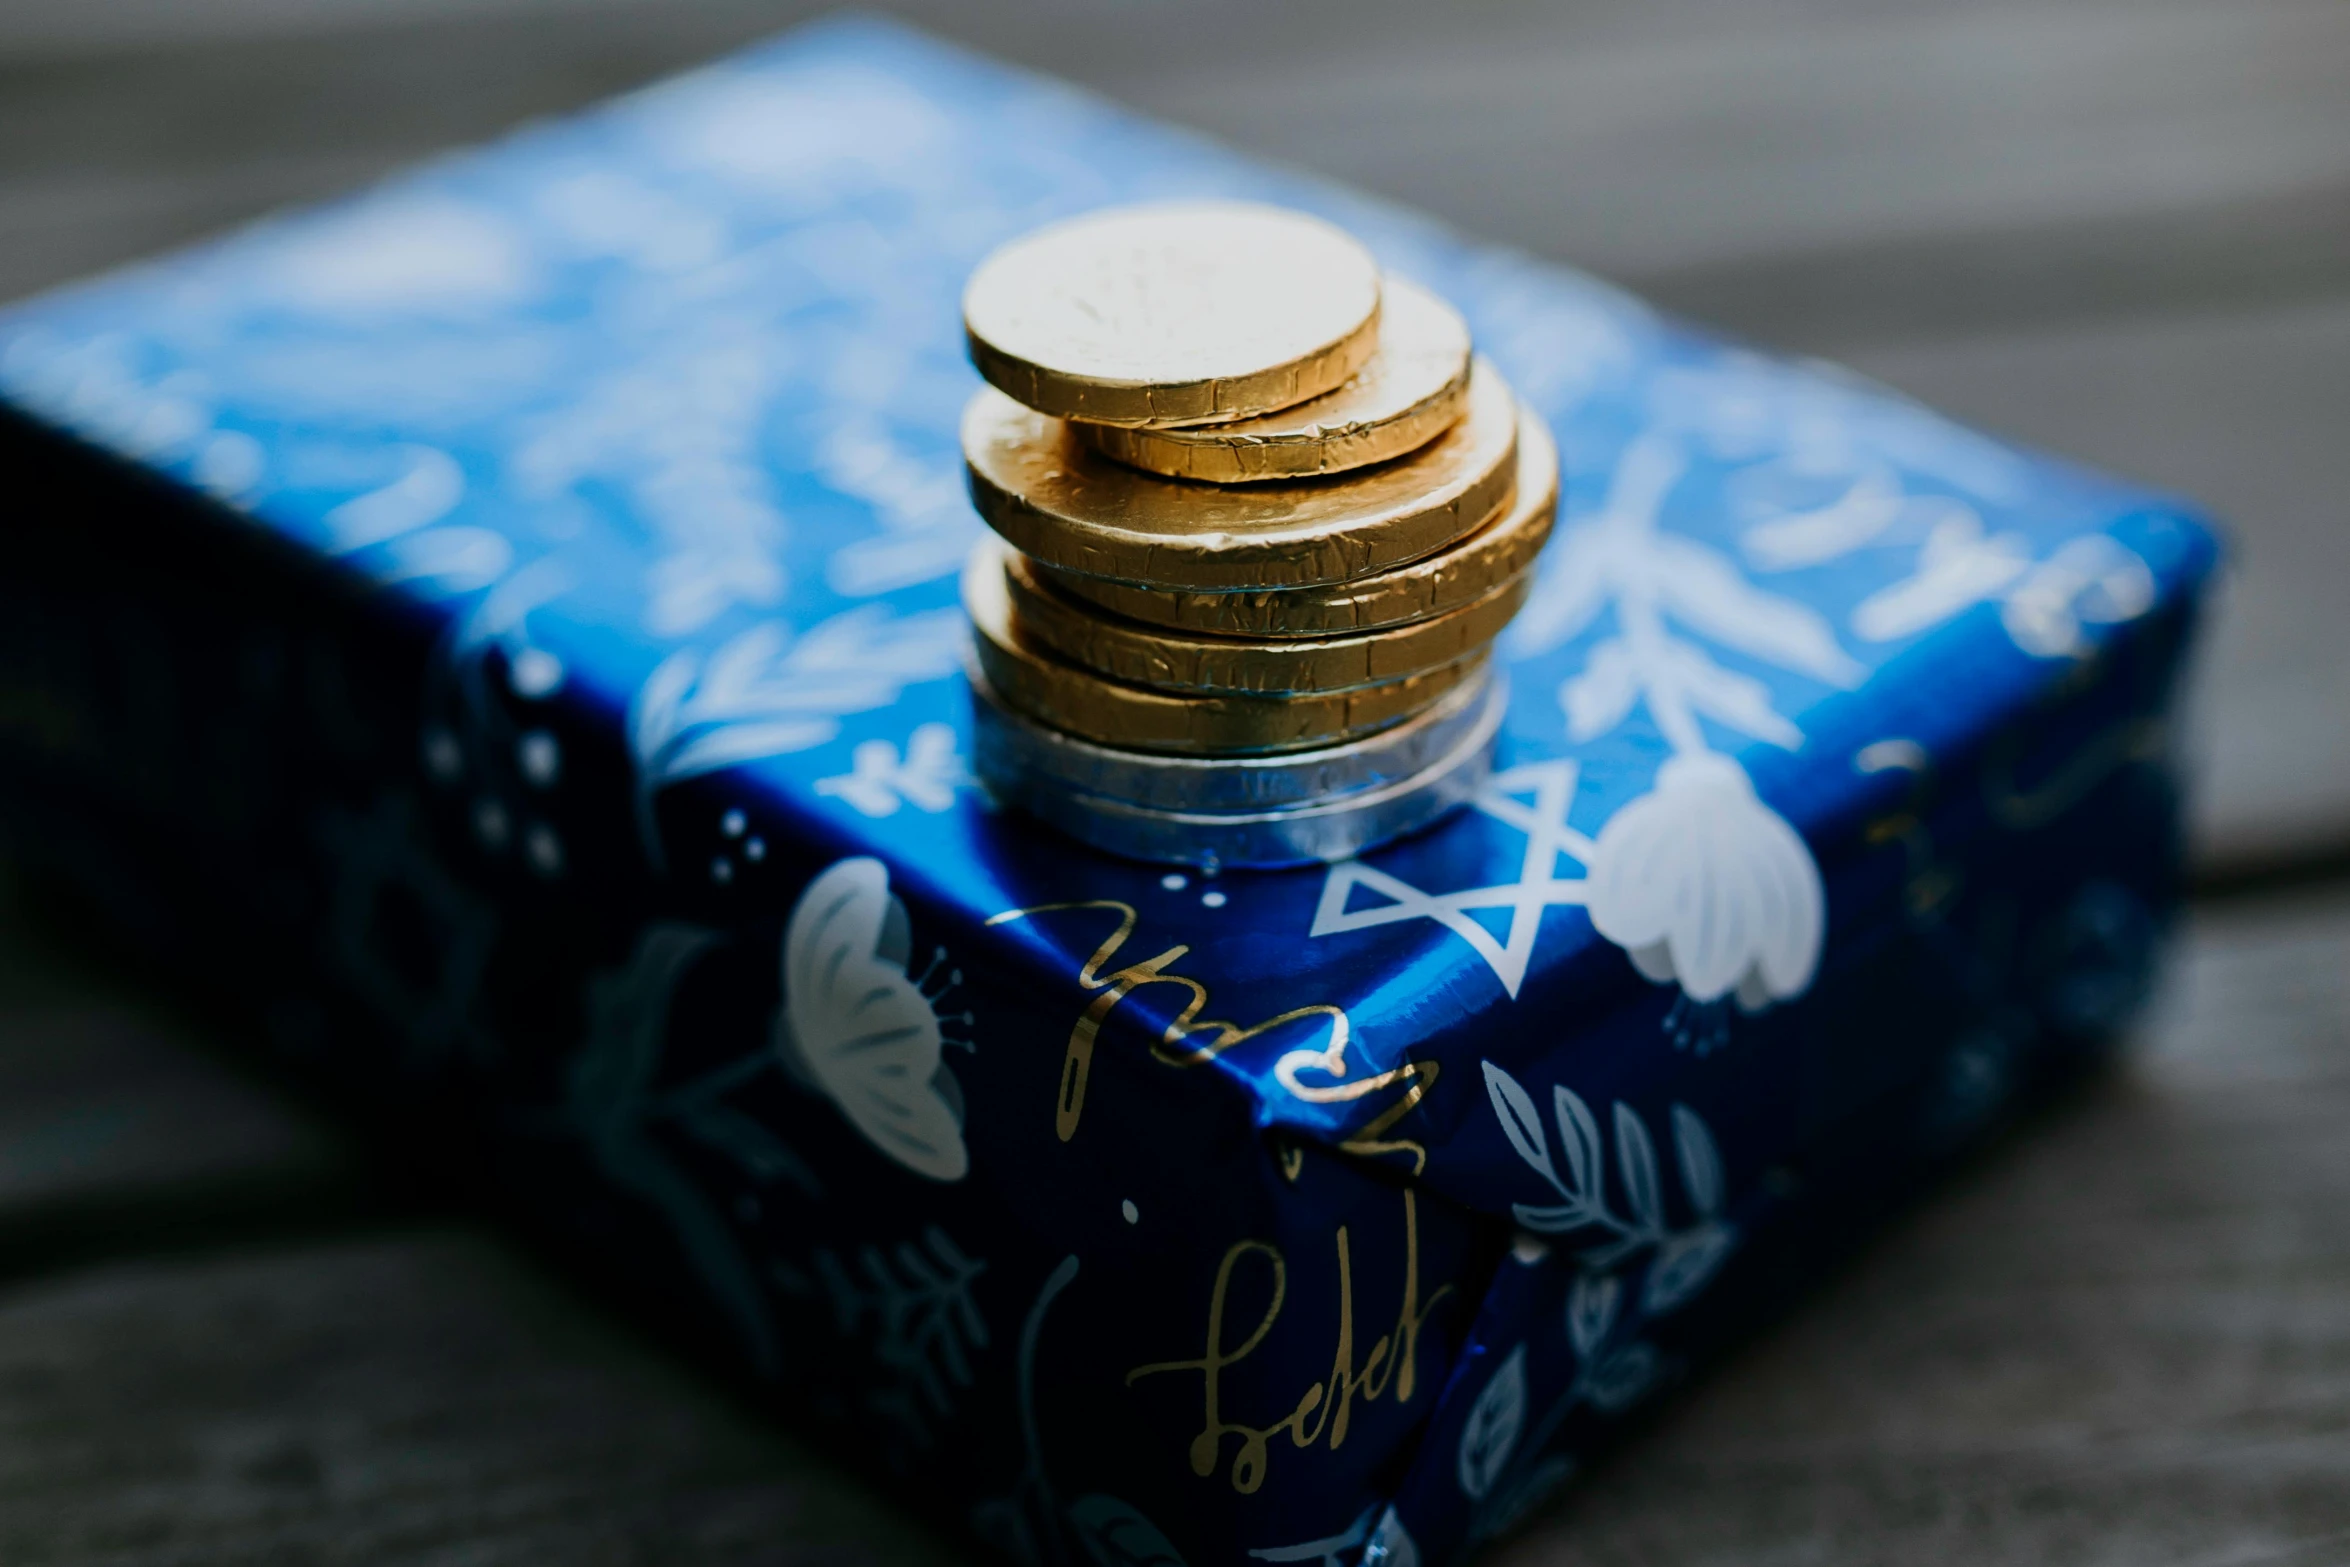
<point>2115,229</point>
<point>2118,229</point>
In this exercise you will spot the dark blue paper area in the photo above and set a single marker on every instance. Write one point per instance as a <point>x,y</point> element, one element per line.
<point>561,694</point>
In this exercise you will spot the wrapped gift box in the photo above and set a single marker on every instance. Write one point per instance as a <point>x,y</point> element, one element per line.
<point>503,628</point>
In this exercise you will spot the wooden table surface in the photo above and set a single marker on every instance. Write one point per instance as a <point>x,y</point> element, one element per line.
<point>2120,231</point>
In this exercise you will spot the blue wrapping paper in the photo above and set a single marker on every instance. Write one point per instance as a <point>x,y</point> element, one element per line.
<point>503,627</point>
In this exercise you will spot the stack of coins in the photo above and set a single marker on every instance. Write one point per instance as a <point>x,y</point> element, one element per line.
<point>1259,514</point>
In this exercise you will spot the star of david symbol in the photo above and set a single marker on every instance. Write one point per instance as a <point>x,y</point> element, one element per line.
<point>1533,799</point>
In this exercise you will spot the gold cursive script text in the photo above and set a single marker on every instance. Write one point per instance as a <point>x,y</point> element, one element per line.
<point>1325,1408</point>
<point>1188,1040</point>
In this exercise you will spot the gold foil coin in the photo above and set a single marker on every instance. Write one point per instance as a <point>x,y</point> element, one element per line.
<point>1191,661</point>
<point>1038,483</point>
<point>1174,313</point>
<point>1434,585</point>
<point>1413,389</point>
<point>1133,718</point>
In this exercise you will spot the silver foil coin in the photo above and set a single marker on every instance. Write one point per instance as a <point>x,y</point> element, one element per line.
<point>1009,744</point>
<point>1309,829</point>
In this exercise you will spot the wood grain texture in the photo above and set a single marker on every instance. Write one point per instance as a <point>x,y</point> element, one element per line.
<point>421,1398</point>
<point>117,1131</point>
<point>1727,152</point>
<point>2124,1338</point>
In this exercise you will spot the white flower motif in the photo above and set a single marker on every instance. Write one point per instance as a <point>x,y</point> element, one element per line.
<point>1702,883</point>
<point>854,1028</point>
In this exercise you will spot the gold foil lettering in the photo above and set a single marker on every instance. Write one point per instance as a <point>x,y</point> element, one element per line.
<point>1117,985</point>
<point>1325,1408</point>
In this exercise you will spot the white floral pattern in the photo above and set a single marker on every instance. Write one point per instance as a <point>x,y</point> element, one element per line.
<point>2045,601</point>
<point>1615,1368</point>
<point>1703,884</point>
<point>1490,1437</point>
<point>1700,881</point>
<point>879,780</point>
<point>766,692</point>
<point>855,1028</point>
<point>1655,580</point>
<point>1391,1544</point>
<point>2044,605</point>
<point>1685,1257</point>
<point>1707,887</point>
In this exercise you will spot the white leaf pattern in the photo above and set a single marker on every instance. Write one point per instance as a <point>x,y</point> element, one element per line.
<point>1579,1136</point>
<point>1624,1378</point>
<point>1958,567</point>
<point>2093,580</point>
<point>453,560</point>
<point>1490,1435</point>
<point>1601,695</point>
<point>731,747</point>
<point>1701,1164</point>
<point>1521,1123</point>
<point>1732,911</point>
<point>1507,1511</point>
<point>1709,595</point>
<point>1636,1160</point>
<point>1685,1263</point>
<point>926,517</point>
<point>2043,606</point>
<point>1857,517</point>
<point>427,490</point>
<point>1739,701</point>
<point>1685,1260</point>
<point>878,782</point>
<point>1591,1311</point>
<point>763,693</point>
<point>1574,589</point>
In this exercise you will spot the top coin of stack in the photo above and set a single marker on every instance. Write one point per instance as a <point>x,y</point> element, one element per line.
<point>1260,513</point>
